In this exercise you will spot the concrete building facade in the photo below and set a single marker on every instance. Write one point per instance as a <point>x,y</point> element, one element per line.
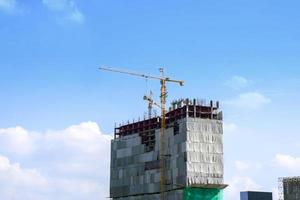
<point>193,155</point>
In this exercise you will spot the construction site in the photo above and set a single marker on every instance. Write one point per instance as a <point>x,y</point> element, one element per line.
<point>175,156</point>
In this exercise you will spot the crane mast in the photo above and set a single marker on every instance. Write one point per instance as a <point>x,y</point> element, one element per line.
<point>163,98</point>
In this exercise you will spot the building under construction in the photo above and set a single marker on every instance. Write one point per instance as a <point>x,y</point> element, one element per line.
<point>193,155</point>
<point>289,188</point>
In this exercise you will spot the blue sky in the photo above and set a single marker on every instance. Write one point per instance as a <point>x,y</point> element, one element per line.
<point>243,53</point>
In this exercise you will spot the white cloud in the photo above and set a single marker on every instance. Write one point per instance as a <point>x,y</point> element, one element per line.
<point>16,140</point>
<point>13,174</point>
<point>67,10</point>
<point>237,184</point>
<point>244,166</point>
<point>288,162</point>
<point>249,101</point>
<point>8,5</point>
<point>72,163</point>
<point>237,82</point>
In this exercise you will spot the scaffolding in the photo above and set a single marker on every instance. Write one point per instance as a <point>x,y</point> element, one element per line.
<point>280,189</point>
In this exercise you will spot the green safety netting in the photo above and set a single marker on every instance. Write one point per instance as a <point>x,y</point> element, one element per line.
<point>202,194</point>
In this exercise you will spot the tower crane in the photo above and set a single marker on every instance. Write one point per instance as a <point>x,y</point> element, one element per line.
<point>163,97</point>
<point>151,102</point>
